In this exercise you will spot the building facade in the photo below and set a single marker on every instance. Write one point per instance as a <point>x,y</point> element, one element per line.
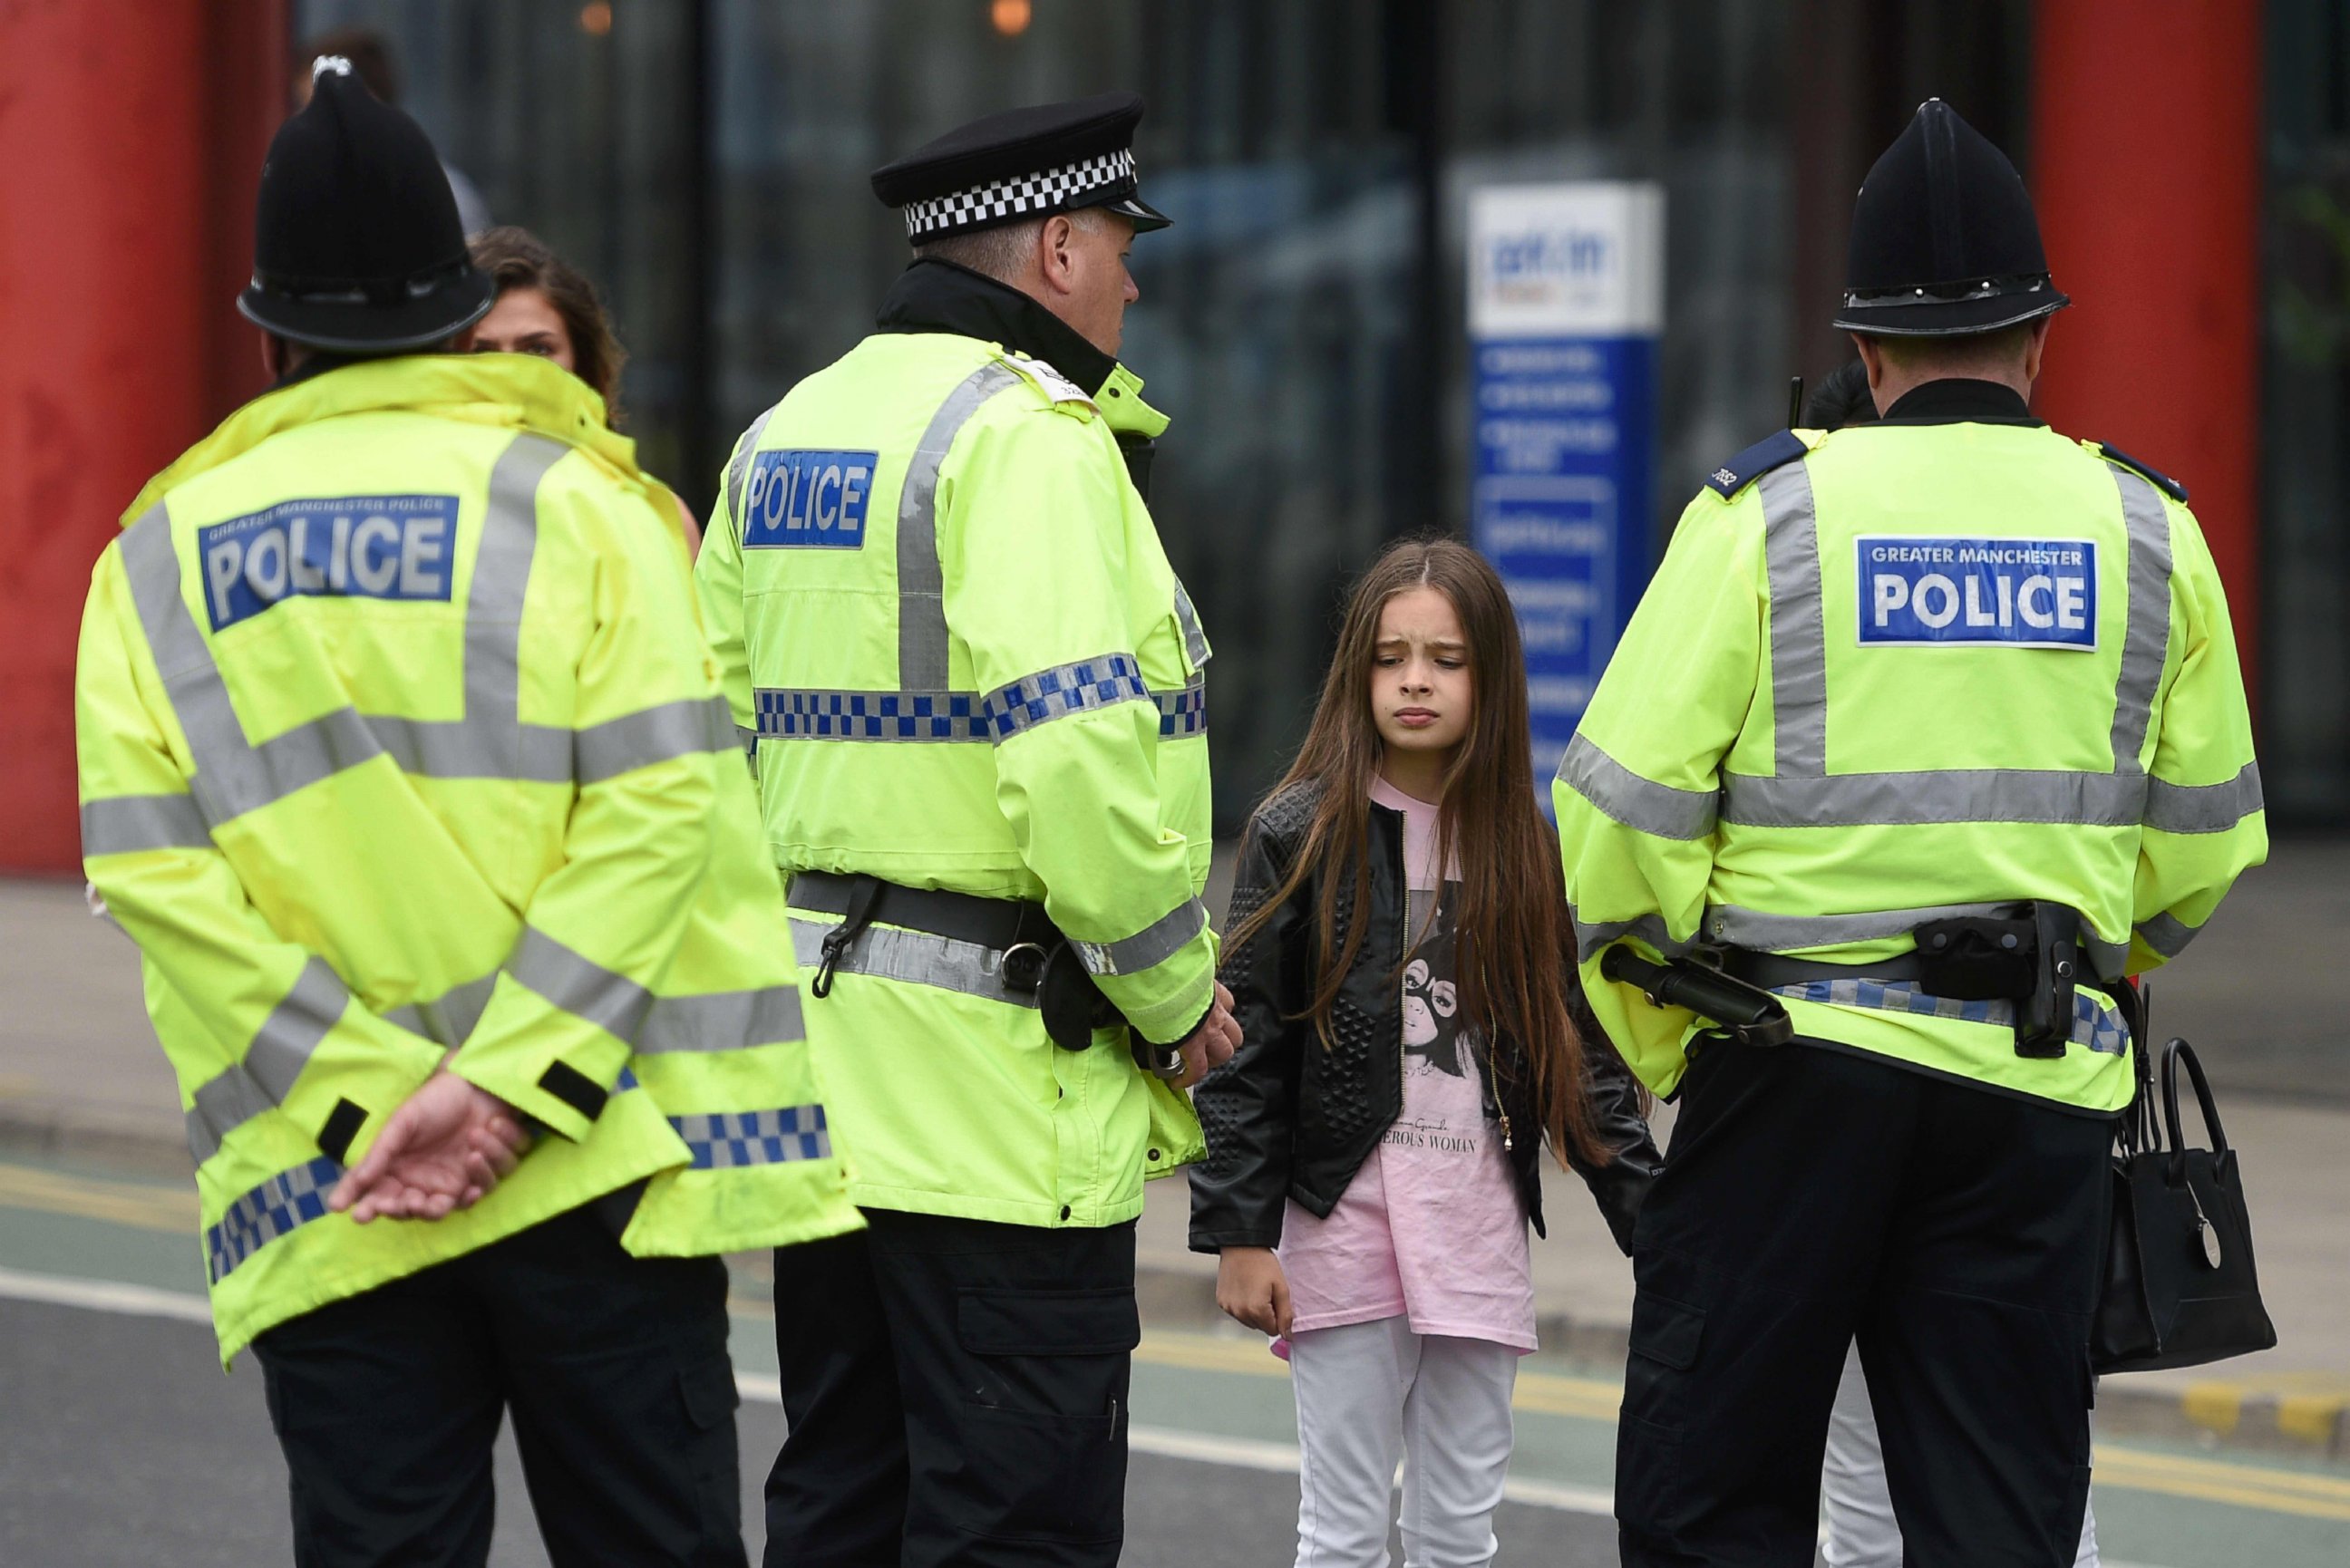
<point>705,160</point>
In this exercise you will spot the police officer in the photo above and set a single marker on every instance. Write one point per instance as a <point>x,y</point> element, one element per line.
<point>975,692</point>
<point>1932,728</point>
<point>402,760</point>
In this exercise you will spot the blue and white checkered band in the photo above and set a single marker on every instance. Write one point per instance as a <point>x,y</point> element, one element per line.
<point>737,1138</point>
<point>283,1203</point>
<point>1047,190</point>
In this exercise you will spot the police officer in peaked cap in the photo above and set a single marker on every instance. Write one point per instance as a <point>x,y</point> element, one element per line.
<point>1931,730</point>
<point>976,698</point>
<point>457,937</point>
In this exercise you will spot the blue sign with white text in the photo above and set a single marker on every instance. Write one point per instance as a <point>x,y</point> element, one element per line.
<point>808,500</point>
<point>354,546</point>
<point>1560,504</point>
<point>2024,593</point>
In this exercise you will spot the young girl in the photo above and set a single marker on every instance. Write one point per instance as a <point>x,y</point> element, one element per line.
<point>1401,966</point>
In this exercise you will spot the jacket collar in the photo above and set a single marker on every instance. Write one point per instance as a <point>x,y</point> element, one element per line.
<point>517,391</point>
<point>933,295</point>
<point>1959,400</point>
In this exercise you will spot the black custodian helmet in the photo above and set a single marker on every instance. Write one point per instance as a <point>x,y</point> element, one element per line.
<point>1944,239</point>
<point>357,244</point>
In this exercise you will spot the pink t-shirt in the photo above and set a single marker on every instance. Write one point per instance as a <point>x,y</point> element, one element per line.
<point>1431,1227</point>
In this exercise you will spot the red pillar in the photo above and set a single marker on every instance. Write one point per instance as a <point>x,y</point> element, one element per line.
<point>131,138</point>
<point>2146,172</point>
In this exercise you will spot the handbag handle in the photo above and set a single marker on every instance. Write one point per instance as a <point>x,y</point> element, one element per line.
<point>2139,1130</point>
<point>2180,1051</point>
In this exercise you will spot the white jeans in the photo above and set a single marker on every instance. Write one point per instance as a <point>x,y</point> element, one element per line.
<point>1370,1392</point>
<point>1861,1531</point>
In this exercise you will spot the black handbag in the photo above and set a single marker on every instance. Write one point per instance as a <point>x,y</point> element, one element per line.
<point>2180,1289</point>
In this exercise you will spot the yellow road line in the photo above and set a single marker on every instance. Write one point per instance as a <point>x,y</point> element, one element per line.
<point>137,1203</point>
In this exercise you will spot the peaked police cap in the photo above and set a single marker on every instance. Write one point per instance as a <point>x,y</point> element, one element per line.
<point>1023,163</point>
<point>357,244</point>
<point>1944,239</point>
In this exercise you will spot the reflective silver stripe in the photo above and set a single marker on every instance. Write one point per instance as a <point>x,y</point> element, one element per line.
<point>1790,933</point>
<point>1086,686</point>
<point>888,952</point>
<point>273,1059</point>
<point>2203,808</point>
<point>1956,794</point>
<point>2166,934</point>
<point>493,604</point>
<point>740,468</point>
<point>921,602</point>
<point>470,749</point>
<point>1154,944</point>
<point>649,735</point>
<point>123,824</point>
<point>233,776</point>
<point>223,1104</point>
<point>1799,649</point>
<point>722,1020</point>
<point>448,1019</point>
<point>2147,642</point>
<point>1195,641</point>
<point>578,985</point>
<point>1637,803</point>
<point>1592,936</point>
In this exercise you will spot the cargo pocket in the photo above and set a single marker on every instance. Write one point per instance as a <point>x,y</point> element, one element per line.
<point>706,1391</point>
<point>1043,1452</point>
<point>1652,1498</point>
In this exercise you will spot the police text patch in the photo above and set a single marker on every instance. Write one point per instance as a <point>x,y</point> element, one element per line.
<point>355,546</point>
<point>2025,593</point>
<point>808,500</point>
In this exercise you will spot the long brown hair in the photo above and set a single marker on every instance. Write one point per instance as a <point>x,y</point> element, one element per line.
<point>1514,943</point>
<point>516,258</point>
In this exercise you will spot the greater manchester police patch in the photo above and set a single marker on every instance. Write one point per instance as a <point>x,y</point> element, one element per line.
<point>2025,593</point>
<point>356,546</point>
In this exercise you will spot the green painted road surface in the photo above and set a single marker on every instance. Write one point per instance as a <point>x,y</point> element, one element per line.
<point>85,1237</point>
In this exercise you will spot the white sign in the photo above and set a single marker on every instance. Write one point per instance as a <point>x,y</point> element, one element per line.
<point>1581,260</point>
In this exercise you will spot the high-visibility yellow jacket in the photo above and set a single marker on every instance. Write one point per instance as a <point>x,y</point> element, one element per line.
<point>941,606</point>
<point>398,742</point>
<point>1901,671</point>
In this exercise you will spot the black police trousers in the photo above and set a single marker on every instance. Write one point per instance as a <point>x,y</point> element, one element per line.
<point>1813,1195</point>
<point>615,1367</point>
<point>956,1393</point>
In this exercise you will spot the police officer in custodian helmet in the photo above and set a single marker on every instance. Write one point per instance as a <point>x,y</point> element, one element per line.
<point>975,694</point>
<point>1932,727</point>
<point>402,762</point>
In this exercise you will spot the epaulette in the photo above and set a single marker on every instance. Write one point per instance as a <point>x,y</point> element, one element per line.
<point>2144,471</point>
<point>1050,381</point>
<point>1772,452</point>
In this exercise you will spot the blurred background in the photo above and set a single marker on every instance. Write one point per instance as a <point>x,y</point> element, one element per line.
<point>704,161</point>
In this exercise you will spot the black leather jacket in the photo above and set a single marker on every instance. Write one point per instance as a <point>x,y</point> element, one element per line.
<point>1287,1118</point>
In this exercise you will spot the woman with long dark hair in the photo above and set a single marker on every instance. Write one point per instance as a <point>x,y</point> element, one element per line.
<point>1402,968</point>
<point>548,307</point>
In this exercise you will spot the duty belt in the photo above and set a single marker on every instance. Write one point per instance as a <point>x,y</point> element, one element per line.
<point>2030,954</point>
<point>1017,928</point>
<point>1017,953</point>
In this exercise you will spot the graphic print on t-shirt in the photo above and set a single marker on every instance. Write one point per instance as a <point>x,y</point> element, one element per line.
<point>1443,1081</point>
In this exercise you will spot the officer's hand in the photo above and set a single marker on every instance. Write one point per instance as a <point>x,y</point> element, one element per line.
<point>1252,1289</point>
<point>1212,1044</point>
<point>443,1149</point>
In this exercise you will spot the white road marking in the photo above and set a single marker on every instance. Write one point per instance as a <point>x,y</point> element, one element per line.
<point>105,1295</point>
<point>1245,1453</point>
